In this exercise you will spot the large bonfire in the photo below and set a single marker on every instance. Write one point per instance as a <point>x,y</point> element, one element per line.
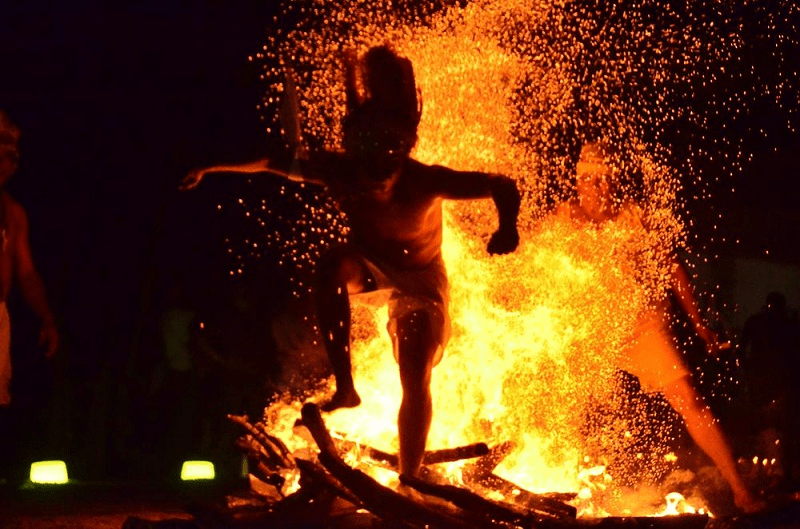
<point>512,87</point>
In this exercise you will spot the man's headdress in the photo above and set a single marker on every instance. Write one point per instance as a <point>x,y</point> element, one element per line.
<point>385,123</point>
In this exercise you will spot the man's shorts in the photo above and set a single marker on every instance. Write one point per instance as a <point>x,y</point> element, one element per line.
<point>416,290</point>
<point>652,355</point>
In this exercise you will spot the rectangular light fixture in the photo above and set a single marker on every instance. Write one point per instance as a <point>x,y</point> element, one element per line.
<point>51,472</point>
<point>193,470</point>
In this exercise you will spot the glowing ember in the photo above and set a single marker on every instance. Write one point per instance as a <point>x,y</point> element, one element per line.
<point>510,87</point>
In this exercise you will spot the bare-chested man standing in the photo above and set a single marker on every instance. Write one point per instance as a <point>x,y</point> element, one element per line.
<point>394,205</point>
<point>16,261</point>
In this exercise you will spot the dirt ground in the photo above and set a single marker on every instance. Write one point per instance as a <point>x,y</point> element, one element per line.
<point>99,505</point>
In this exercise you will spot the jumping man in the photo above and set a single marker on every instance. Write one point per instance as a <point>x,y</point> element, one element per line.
<point>394,205</point>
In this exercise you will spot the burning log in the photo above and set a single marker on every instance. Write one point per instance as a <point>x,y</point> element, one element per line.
<point>448,455</point>
<point>380,500</point>
<point>384,459</point>
<point>261,466</point>
<point>481,473</point>
<point>273,448</point>
<point>316,473</point>
<point>489,461</point>
<point>474,503</point>
<point>392,461</point>
<point>540,503</point>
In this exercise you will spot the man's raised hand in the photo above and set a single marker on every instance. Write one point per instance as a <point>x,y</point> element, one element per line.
<point>503,241</point>
<point>191,180</point>
<point>289,113</point>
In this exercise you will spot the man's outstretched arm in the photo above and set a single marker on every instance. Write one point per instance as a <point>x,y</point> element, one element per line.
<point>682,288</point>
<point>289,169</point>
<point>501,189</point>
<point>507,200</point>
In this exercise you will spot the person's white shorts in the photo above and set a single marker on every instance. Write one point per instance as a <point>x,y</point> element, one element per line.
<point>411,290</point>
<point>652,355</point>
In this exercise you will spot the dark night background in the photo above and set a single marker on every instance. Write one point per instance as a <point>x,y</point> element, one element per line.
<point>115,105</point>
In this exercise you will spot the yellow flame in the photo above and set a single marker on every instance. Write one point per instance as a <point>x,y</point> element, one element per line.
<point>536,333</point>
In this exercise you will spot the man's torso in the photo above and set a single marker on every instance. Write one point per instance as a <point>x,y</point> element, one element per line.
<point>403,229</point>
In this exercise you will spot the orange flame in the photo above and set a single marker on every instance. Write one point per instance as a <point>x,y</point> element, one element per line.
<point>536,333</point>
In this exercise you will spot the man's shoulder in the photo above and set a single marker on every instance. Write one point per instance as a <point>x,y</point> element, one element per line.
<point>328,167</point>
<point>428,179</point>
<point>429,174</point>
<point>415,166</point>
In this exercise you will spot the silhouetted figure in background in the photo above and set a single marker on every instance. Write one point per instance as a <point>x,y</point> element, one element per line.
<point>214,360</point>
<point>16,262</point>
<point>394,205</point>
<point>174,394</point>
<point>651,355</point>
<point>770,348</point>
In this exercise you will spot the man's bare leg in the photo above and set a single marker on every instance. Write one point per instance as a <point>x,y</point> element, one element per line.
<point>708,435</point>
<point>416,349</point>
<point>340,273</point>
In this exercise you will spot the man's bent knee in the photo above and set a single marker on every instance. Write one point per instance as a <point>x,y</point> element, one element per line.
<point>341,266</point>
<point>416,345</point>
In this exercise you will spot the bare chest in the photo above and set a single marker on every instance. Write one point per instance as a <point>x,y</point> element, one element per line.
<point>395,219</point>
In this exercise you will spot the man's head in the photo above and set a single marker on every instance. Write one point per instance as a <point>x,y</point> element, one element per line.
<point>593,179</point>
<point>776,301</point>
<point>381,132</point>
<point>378,145</point>
<point>9,155</point>
<point>389,81</point>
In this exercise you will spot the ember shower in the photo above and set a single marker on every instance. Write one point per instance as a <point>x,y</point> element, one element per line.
<point>513,87</point>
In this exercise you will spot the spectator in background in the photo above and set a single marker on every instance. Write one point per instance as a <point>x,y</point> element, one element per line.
<point>770,349</point>
<point>16,263</point>
<point>173,397</point>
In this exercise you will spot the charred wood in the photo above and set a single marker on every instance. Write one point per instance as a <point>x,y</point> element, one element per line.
<point>560,496</point>
<point>257,453</point>
<point>432,457</point>
<point>448,455</point>
<point>273,446</point>
<point>474,503</point>
<point>489,461</point>
<point>381,501</point>
<point>312,471</point>
<point>284,450</point>
<point>539,503</point>
<point>383,459</point>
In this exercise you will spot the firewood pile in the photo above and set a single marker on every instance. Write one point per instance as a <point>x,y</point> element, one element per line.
<point>335,490</point>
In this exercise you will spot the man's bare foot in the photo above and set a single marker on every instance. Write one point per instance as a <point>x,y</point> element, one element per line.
<point>430,501</point>
<point>341,399</point>
<point>749,504</point>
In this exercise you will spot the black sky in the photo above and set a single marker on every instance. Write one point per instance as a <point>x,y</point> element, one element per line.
<point>115,104</point>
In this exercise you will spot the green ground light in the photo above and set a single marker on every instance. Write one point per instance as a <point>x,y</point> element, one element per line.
<point>194,470</point>
<point>50,472</point>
